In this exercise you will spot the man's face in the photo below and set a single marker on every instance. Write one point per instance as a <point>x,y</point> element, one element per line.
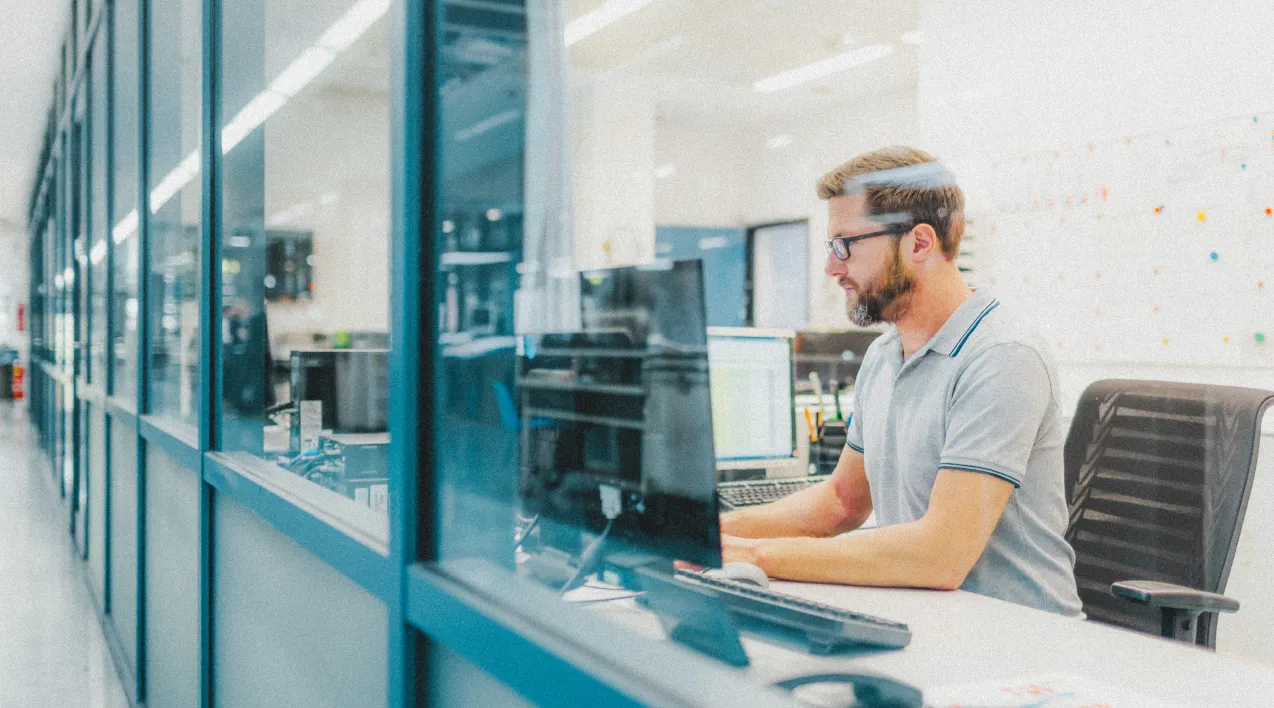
<point>875,279</point>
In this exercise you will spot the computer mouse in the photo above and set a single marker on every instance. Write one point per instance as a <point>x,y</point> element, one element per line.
<point>741,572</point>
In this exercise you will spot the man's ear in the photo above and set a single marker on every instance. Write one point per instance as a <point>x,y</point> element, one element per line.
<point>924,242</point>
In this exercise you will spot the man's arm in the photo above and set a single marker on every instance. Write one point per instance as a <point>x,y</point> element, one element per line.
<point>841,503</point>
<point>936,551</point>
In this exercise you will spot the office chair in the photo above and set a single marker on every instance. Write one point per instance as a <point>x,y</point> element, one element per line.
<point>1157,478</point>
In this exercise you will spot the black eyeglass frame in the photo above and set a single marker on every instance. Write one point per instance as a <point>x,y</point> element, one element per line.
<point>841,243</point>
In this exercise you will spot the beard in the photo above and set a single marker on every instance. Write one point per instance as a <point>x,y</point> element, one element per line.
<point>884,299</point>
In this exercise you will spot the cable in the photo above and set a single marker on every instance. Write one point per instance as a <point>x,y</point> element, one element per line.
<point>594,601</point>
<point>586,558</point>
<point>517,542</point>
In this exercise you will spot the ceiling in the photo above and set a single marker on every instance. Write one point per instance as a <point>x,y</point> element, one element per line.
<point>703,56</point>
<point>30,42</point>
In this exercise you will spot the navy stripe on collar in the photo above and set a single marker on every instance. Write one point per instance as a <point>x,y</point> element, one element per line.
<point>994,304</point>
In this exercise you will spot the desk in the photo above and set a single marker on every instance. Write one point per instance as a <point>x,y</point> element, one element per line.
<point>962,638</point>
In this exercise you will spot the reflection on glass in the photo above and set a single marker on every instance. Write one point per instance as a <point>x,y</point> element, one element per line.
<point>305,244</point>
<point>175,105</point>
<point>99,229</point>
<point>124,186</point>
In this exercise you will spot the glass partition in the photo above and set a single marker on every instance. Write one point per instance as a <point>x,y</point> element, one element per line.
<point>305,253</point>
<point>124,154</point>
<point>176,97</point>
<point>99,167</point>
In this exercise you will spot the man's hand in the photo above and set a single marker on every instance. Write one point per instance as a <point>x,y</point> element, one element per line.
<point>734,549</point>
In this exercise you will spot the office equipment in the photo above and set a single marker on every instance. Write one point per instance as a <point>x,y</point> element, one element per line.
<point>1157,477</point>
<point>751,492</point>
<point>740,572</point>
<point>827,628</point>
<point>832,355</point>
<point>630,448</point>
<point>625,482</point>
<point>752,398</point>
<point>350,386</point>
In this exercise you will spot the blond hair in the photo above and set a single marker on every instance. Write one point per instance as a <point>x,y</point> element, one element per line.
<point>903,185</point>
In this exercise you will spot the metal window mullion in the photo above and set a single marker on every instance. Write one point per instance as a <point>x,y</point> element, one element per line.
<point>413,121</point>
<point>143,320</point>
<point>209,328</point>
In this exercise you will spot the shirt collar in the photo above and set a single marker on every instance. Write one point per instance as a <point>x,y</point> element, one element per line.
<point>951,337</point>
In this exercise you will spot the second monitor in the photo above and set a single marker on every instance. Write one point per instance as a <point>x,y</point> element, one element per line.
<point>752,400</point>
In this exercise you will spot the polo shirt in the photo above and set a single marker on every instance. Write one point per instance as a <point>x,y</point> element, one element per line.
<point>980,396</point>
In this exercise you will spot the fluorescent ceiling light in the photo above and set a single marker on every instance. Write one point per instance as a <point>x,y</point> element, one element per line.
<point>183,174</point>
<point>302,71</point>
<point>593,22</point>
<point>913,37</point>
<point>779,141</point>
<point>96,255</point>
<point>821,69</point>
<point>487,125</point>
<point>353,24</point>
<point>290,82</point>
<point>125,228</point>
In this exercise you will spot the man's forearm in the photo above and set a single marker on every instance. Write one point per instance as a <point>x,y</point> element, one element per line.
<point>903,555</point>
<point>816,511</point>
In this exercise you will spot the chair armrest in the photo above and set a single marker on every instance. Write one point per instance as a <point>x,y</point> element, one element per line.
<point>1177,597</point>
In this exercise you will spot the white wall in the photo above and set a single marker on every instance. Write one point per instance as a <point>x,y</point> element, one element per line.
<point>13,288</point>
<point>1001,80</point>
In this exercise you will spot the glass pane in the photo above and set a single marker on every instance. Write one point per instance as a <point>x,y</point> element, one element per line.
<point>305,244</point>
<point>176,92</point>
<point>100,230</point>
<point>124,184</point>
<point>1073,196</point>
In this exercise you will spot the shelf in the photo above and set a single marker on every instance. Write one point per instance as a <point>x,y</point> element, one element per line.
<point>612,389</point>
<point>583,418</point>
<point>474,258</point>
<point>592,353</point>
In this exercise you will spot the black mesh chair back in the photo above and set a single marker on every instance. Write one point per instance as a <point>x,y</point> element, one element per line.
<point>1157,477</point>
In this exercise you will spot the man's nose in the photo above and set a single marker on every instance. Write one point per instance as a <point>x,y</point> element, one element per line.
<point>835,267</point>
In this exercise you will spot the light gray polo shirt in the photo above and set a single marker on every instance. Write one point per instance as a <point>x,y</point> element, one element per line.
<point>980,396</point>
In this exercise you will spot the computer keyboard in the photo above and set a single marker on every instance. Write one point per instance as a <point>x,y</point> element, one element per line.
<point>736,495</point>
<point>826,627</point>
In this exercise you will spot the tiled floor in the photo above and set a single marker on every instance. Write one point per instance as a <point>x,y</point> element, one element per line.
<point>52,652</point>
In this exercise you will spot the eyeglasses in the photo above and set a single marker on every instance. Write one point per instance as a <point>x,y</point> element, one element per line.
<point>840,245</point>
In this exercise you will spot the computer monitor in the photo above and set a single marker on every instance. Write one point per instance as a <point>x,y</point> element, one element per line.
<point>752,397</point>
<point>616,423</point>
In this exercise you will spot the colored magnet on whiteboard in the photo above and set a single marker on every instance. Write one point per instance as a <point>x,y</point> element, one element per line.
<point>1244,165</point>
<point>1213,255</point>
<point>1159,209</point>
<point>1165,340</point>
<point>1226,340</point>
<point>1201,216</point>
<point>1260,337</point>
<point>1156,308</point>
<point>1269,211</point>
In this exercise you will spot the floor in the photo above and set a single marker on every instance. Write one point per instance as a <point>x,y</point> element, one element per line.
<point>52,652</point>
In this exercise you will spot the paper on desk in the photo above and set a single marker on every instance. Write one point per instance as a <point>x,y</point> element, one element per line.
<point>1053,691</point>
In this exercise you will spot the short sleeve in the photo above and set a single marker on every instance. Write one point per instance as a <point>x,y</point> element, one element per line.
<point>997,411</point>
<point>854,431</point>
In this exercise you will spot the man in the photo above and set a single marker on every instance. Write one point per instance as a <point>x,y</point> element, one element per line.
<point>955,441</point>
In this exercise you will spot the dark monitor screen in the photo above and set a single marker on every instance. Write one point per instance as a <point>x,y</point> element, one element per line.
<point>834,356</point>
<point>622,410</point>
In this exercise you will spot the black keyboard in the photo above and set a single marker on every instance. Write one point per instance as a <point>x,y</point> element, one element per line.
<point>736,495</point>
<point>826,627</point>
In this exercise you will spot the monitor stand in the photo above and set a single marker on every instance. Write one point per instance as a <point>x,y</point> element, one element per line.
<point>692,618</point>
